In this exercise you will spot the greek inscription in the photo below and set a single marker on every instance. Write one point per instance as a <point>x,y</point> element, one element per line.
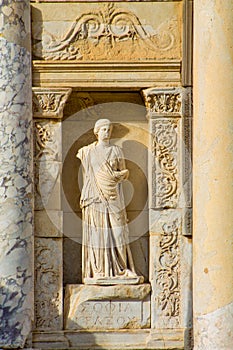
<point>109,314</point>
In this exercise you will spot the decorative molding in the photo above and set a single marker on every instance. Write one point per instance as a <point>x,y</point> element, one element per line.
<point>187,43</point>
<point>187,161</point>
<point>49,103</point>
<point>109,74</point>
<point>110,32</point>
<point>164,152</point>
<point>38,1</point>
<point>168,275</point>
<point>48,283</point>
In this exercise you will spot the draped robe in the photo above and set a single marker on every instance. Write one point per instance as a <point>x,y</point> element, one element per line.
<point>105,249</point>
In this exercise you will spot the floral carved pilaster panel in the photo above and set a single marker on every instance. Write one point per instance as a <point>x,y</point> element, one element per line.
<point>165,163</point>
<point>168,276</point>
<point>49,103</point>
<point>48,283</point>
<point>169,113</point>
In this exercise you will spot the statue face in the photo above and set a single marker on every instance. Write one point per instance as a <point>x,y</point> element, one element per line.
<point>104,132</point>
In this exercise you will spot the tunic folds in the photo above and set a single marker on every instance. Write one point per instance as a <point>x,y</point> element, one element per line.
<point>105,248</point>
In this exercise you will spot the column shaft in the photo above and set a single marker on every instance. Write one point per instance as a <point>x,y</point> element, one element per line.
<point>213,160</point>
<point>16,198</point>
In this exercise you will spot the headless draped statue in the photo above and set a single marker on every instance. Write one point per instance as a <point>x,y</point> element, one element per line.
<point>106,255</point>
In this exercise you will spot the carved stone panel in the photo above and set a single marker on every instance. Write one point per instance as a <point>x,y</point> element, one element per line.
<point>168,102</point>
<point>169,111</point>
<point>168,275</point>
<point>109,307</point>
<point>108,32</point>
<point>49,103</point>
<point>47,164</point>
<point>165,273</point>
<point>165,163</point>
<point>48,284</point>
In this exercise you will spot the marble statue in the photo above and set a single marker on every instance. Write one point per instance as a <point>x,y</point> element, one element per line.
<point>106,255</point>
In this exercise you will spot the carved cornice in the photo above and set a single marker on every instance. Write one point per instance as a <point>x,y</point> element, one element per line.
<point>49,103</point>
<point>105,74</point>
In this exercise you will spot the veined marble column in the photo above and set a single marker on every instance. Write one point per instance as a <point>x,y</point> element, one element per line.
<point>16,197</point>
<point>213,160</point>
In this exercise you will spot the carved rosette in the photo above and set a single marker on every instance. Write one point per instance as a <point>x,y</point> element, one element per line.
<point>108,33</point>
<point>49,103</point>
<point>48,283</point>
<point>168,276</point>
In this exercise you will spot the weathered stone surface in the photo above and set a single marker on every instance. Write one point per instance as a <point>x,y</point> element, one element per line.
<point>48,223</point>
<point>48,283</point>
<point>125,31</point>
<point>49,103</point>
<point>108,307</point>
<point>16,190</point>
<point>212,190</point>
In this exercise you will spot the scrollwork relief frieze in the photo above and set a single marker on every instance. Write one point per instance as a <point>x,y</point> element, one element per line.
<point>165,150</point>
<point>168,275</point>
<point>109,33</point>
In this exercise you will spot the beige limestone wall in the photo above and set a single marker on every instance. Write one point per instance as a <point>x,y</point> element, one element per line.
<point>121,60</point>
<point>213,159</point>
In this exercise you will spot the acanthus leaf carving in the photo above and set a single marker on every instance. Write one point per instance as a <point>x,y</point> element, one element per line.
<point>49,103</point>
<point>168,274</point>
<point>105,34</point>
<point>164,103</point>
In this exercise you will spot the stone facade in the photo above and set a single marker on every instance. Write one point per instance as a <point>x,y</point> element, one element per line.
<point>130,62</point>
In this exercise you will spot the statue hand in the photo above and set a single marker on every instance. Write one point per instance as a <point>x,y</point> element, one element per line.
<point>122,174</point>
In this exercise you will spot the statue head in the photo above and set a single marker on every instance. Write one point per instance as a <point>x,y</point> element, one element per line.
<point>100,124</point>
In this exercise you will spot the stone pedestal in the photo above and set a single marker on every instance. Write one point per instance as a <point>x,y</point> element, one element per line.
<point>213,194</point>
<point>16,192</point>
<point>108,307</point>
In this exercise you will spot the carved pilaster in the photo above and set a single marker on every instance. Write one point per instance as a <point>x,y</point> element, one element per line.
<point>169,114</point>
<point>170,215</point>
<point>49,103</point>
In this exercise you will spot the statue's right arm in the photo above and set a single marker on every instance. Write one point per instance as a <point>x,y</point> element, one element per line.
<point>81,153</point>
